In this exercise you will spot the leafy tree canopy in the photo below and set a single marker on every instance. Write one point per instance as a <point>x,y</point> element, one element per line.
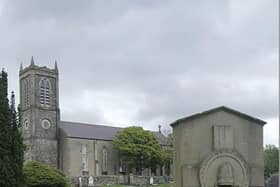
<point>139,148</point>
<point>271,160</point>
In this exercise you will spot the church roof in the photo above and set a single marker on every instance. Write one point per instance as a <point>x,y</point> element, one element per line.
<point>221,108</point>
<point>97,132</point>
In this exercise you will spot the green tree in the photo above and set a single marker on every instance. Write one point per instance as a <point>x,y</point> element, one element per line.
<point>6,168</point>
<point>41,175</point>
<point>271,160</point>
<point>11,146</point>
<point>139,148</point>
<point>168,150</point>
<point>17,149</point>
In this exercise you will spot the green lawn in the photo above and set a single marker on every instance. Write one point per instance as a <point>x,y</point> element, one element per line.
<point>158,185</point>
<point>161,185</point>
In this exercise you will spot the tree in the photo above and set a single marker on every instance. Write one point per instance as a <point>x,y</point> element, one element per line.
<point>6,170</point>
<point>41,175</point>
<point>168,149</point>
<point>17,149</point>
<point>11,146</point>
<point>139,148</point>
<point>271,160</point>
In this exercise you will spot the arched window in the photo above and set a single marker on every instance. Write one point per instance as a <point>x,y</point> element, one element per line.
<point>84,158</point>
<point>44,88</point>
<point>104,160</point>
<point>25,93</point>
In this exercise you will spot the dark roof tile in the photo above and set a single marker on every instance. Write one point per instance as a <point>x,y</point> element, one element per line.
<point>97,132</point>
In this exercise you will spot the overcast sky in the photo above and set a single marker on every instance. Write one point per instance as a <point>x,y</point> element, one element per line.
<point>143,62</point>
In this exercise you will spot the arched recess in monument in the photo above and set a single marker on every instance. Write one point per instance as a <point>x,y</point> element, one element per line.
<point>225,175</point>
<point>223,169</point>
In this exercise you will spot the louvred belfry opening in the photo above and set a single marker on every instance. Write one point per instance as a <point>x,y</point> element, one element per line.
<point>45,92</point>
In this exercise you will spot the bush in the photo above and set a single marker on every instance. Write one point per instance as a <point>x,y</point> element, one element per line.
<point>40,175</point>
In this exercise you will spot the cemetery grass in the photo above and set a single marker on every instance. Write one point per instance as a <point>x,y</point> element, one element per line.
<point>157,185</point>
<point>161,185</point>
<point>167,185</point>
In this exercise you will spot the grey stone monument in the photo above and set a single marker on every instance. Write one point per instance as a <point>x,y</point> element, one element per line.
<point>217,148</point>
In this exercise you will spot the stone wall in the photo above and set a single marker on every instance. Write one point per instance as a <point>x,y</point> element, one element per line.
<point>41,139</point>
<point>113,158</point>
<point>106,180</point>
<point>71,156</point>
<point>63,154</point>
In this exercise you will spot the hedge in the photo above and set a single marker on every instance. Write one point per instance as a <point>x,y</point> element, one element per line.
<point>40,175</point>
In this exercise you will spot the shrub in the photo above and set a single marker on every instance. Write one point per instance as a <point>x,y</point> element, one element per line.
<point>40,175</point>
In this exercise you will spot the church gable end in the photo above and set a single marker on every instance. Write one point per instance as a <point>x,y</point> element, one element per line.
<point>218,109</point>
<point>223,146</point>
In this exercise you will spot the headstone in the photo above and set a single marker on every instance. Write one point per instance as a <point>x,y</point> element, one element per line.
<point>90,181</point>
<point>151,180</point>
<point>80,181</point>
<point>273,181</point>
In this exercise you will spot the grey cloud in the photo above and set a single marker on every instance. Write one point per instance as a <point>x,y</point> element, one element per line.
<point>72,11</point>
<point>156,60</point>
<point>22,11</point>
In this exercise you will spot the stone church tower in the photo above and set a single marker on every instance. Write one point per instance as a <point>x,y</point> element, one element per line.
<point>40,112</point>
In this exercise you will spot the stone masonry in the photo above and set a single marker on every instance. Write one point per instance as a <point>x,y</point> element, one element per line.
<point>39,120</point>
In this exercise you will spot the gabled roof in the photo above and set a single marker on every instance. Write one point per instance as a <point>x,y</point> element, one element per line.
<point>97,132</point>
<point>88,131</point>
<point>221,108</point>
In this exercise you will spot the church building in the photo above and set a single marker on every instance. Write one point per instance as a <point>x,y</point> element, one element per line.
<point>76,148</point>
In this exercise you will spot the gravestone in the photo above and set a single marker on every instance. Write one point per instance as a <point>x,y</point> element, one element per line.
<point>273,181</point>
<point>217,148</point>
<point>90,181</point>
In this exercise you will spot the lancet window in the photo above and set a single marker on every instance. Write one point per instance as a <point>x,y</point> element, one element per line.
<point>104,159</point>
<point>26,93</point>
<point>45,89</point>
